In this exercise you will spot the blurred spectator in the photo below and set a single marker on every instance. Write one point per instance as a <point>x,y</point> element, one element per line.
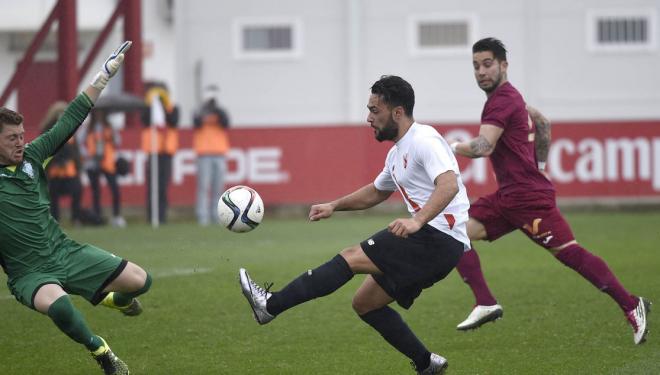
<point>211,144</point>
<point>101,141</point>
<point>63,170</point>
<point>160,140</point>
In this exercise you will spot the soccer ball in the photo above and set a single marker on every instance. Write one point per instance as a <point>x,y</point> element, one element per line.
<point>240,209</point>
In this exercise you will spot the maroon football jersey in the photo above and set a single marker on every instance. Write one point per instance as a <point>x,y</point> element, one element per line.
<point>514,157</point>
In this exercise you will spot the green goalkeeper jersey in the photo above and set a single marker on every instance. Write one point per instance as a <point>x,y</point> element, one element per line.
<point>29,236</point>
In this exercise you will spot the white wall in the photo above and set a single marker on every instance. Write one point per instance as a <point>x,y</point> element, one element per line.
<point>573,83</point>
<point>159,48</point>
<point>348,44</point>
<point>303,90</point>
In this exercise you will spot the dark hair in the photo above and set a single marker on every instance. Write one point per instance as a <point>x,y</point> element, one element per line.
<point>395,91</point>
<point>9,117</point>
<point>493,45</point>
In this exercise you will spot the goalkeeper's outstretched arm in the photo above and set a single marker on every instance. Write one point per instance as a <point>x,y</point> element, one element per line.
<point>109,69</point>
<point>50,142</point>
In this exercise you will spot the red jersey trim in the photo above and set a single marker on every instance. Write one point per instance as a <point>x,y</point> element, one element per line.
<point>451,220</point>
<point>414,205</point>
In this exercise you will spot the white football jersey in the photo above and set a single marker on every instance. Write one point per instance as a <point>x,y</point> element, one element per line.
<point>412,165</point>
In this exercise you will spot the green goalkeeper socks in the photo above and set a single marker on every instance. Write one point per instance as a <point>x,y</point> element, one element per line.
<point>124,299</point>
<point>70,321</point>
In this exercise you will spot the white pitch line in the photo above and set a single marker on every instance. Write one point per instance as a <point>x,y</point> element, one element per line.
<point>180,272</point>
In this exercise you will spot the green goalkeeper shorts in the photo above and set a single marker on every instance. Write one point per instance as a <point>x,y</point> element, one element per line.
<point>83,270</point>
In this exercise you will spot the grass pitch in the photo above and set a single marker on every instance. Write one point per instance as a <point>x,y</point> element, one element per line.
<point>196,320</point>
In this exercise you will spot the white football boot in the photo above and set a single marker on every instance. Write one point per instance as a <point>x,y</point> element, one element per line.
<point>256,296</point>
<point>637,319</point>
<point>437,366</point>
<point>480,315</point>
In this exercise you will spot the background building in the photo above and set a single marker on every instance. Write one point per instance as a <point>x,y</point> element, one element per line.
<point>311,61</point>
<point>286,68</point>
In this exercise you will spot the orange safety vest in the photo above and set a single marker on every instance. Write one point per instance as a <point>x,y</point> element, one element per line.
<point>167,141</point>
<point>68,169</point>
<point>106,137</point>
<point>210,138</point>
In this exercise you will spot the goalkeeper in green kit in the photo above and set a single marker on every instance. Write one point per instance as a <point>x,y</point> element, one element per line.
<point>42,264</point>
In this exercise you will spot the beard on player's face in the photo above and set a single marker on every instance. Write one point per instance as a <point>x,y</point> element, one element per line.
<point>388,132</point>
<point>492,83</point>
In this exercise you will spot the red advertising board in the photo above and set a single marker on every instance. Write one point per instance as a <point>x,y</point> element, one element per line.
<point>605,160</point>
<point>587,161</point>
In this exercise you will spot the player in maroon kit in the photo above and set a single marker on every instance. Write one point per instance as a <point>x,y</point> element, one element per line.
<point>516,138</point>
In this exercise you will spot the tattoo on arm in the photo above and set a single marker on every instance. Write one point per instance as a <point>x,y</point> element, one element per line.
<point>542,135</point>
<point>480,146</point>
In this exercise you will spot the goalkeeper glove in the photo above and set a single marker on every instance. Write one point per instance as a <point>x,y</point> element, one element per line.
<point>110,66</point>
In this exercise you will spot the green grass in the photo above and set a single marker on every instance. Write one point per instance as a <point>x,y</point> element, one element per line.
<point>196,320</point>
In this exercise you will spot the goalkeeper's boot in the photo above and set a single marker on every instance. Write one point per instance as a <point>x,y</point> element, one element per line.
<point>256,296</point>
<point>437,366</point>
<point>638,319</point>
<point>108,361</point>
<point>132,309</point>
<point>481,315</point>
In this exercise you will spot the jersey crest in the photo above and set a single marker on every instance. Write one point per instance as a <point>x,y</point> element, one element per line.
<point>28,170</point>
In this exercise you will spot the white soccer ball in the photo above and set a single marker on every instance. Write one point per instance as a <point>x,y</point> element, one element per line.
<point>240,209</point>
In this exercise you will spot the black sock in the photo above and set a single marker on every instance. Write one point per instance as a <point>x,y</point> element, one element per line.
<point>396,332</point>
<point>311,284</point>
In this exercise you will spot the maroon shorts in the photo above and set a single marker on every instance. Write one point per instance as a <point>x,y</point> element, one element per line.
<point>535,214</point>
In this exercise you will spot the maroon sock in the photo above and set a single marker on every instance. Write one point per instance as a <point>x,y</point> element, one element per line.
<point>469,268</point>
<point>594,269</point>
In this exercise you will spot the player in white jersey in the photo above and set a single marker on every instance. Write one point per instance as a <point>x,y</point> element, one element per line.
<point>420,153</point>
<point>412,253</point>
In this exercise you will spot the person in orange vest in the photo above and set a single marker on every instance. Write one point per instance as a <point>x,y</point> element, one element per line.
<point>166,145</point>
<point>211,144</point>
<point>64,169</point>
<point>101,142</point>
